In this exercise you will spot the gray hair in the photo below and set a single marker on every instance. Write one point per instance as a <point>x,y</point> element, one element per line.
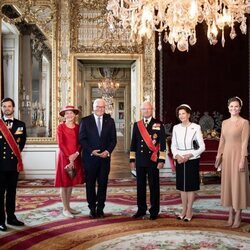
<point>146,102</point>
<point>98,100</point>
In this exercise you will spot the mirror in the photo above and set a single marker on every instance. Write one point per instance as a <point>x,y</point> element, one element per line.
<point>28,56</point>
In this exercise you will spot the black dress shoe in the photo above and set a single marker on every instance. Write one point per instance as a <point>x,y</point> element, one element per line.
<point>15,222</point>
<point>100,214</point>
<point>139,214</point>
<point>153,217</point>
<point>92,214</point>
<point>3,227</point>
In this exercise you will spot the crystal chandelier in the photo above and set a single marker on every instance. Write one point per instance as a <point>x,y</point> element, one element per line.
<point>108,87</point>
<point>176,19</point>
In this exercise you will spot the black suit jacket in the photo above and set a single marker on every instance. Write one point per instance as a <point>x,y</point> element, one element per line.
<point>90,140</point>
<point>8,160</point>
<point>139,151</point>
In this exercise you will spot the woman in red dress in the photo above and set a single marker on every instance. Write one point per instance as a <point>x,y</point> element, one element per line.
<point>69,152</point>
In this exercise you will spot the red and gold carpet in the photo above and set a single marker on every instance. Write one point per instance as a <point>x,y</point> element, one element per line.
<point>39,206</point>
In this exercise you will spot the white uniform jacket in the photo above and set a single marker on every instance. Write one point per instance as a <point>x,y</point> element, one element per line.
<point>182,140</point>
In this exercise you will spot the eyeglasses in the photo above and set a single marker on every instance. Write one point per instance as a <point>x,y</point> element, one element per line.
<point>100,107</point>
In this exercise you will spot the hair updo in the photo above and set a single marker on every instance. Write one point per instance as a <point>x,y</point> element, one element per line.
<point>235,99</point>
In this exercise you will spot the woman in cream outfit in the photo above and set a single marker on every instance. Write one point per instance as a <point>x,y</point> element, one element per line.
<point>187,159</point>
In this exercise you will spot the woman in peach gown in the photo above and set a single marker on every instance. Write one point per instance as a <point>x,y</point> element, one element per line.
<point>232,152</point>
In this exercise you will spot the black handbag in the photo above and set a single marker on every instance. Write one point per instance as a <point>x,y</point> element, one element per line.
<point>196,145</point>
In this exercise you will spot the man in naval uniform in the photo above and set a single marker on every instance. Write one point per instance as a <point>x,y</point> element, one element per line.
<point>147,156</point>
<point>12,141</point>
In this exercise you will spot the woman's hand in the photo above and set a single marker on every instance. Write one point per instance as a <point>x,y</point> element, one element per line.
<point>187,157</point>
<point>242,165</point>
<point>73,156</point>
<point>179,159</point>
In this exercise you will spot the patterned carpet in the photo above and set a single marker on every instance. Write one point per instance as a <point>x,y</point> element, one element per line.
<point>39,206</point>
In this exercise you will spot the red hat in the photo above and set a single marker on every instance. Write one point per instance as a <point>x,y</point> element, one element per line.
<point>69,108</point>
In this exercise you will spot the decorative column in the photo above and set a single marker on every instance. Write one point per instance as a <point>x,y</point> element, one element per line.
<point>248,30</point>
<point>64,78</point>
<point>160,78</point>
<point>1,80</point>
<point>149,71</point>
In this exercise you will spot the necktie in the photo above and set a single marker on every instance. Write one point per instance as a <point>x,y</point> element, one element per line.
<point>146,123</point>
<point>99,126</point>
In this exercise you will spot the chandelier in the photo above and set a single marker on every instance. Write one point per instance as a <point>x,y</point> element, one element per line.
<point>108,86</point>
<point>176,20</point>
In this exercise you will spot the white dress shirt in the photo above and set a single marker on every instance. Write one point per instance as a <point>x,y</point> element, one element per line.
<point>148,120</point>
<point>182,140</point>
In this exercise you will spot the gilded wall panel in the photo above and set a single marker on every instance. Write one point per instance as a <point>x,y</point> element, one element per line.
<point>64,87</point>
<point>90,31</point>
<point>149,70</point>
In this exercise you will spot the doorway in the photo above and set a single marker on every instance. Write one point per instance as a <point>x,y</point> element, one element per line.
<point>127,98</point>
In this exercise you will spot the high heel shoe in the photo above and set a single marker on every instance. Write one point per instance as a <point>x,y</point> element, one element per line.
<point>73,211</point>
<point>67,214</point>
<point>180,217</point>
<point>237,224</point>
<point>186,219</point>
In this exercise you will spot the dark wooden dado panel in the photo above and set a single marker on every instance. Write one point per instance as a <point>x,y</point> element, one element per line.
<point>205,77</point>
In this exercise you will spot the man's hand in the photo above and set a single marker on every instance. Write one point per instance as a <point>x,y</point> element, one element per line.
<point>160,165</point>
<point>132,165</point>
<point>104,154</point>
<point>96,152</point>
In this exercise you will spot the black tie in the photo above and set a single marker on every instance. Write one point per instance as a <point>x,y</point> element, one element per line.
<point>146,123</point>
<point>8,122</point>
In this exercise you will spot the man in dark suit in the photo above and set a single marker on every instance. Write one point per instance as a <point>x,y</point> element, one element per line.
<point>147,156</point>
<point>12,141</point>
<point>97,136</point>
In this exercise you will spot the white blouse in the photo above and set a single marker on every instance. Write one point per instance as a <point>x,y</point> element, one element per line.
<point>182,140</point>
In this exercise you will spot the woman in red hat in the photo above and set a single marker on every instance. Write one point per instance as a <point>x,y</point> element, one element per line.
<point>69,154</point>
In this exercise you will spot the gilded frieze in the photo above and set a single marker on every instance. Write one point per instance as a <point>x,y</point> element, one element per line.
<point>40,12</point>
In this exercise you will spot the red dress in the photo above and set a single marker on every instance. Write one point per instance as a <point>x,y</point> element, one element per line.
<point>67,139</point>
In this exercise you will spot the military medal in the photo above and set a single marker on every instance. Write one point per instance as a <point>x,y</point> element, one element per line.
<point>18,140</point>
<point>155,136</point>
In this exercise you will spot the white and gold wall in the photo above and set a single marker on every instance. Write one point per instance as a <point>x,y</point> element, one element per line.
<point>77,34</point>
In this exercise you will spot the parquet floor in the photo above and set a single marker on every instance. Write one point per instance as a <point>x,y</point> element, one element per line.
<point>120,165</point>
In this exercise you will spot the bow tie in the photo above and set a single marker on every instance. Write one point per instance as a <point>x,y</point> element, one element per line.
<point>9,120</point>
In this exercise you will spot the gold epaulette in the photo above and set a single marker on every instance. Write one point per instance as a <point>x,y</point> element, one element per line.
<point>132,155</point>
<point>162,155</point>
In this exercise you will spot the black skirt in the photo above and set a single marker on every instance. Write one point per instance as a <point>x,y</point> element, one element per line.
<point>187,176</point>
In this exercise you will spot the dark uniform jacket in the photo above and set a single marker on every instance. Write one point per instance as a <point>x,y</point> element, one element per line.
<point>139,151</point>
<point>8,160</point>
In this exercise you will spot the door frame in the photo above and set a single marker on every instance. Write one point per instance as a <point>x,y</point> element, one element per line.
<point>138,58</point>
